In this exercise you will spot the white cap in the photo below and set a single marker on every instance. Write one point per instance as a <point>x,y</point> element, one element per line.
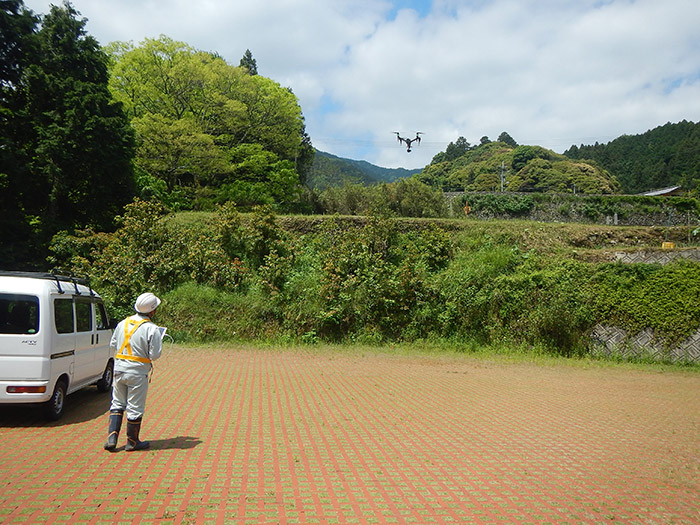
<point>146,303</point>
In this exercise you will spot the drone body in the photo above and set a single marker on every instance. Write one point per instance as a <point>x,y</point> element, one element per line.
<point>408,142</point>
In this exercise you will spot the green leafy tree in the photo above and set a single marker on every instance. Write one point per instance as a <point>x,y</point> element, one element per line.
<point>507,139</point>
<point>412,198</point>
<point>17,27</point>
<point>436,174</point>
<point>177,151</point>
<point>195,114</point>
<point>273,118</point>
<point>257,176</point>
<point>453,151</point>
<point>305,158</point>
<point>524,154</point>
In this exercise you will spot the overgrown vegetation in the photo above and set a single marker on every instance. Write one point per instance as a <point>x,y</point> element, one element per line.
<point>628,209</point>
<point>226,276</point>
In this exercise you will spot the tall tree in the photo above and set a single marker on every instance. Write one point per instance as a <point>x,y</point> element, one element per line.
<point>453,151</point>
<point>17,27</point>
<point>17,46</point>
<point>71,145</point>
<point>82,152</point>
<point>249,63</point>
<point>507,139</point>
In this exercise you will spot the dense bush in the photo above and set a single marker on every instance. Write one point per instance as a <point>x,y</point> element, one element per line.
<point>403,198</point>
<point>226,276</point>
<point>505,204</point>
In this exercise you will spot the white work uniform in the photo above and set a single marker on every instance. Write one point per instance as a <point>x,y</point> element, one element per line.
<point>138,343</point>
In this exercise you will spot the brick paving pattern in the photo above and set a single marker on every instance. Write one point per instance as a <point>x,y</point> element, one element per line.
<point>309,436</point>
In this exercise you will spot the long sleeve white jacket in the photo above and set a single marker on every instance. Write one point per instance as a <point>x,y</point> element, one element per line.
<point>138,345</point>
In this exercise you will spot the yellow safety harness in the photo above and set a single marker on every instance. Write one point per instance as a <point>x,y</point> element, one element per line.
<point>125,352</point>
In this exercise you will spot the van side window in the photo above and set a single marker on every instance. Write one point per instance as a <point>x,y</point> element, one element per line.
<point>83,315</point>
<point>19,314</point>
<point>101,317</point>
<point>63,311</point>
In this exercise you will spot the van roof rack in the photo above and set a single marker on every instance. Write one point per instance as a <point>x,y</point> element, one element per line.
<point>59,278</point>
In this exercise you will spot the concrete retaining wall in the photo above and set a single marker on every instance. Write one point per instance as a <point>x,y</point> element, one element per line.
<point>614,341</point>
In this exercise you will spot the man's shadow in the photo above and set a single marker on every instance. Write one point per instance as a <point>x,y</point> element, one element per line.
<point>179,442</point>
<point>176,443</point>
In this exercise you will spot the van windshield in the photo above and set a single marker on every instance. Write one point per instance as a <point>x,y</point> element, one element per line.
<point>19,314</point>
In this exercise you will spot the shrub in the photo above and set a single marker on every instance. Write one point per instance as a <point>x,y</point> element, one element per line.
<point>505,204</point>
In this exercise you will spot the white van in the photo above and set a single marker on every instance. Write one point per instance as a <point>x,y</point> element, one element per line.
<point>54,339</point>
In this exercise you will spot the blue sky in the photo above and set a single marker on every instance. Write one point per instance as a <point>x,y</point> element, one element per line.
<point>549,72</point>
<point>422,7</point>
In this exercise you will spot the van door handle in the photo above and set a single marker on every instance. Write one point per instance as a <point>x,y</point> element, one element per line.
<point>92,339</point>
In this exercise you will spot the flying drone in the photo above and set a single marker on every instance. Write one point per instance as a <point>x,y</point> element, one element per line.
<point>408,142</point>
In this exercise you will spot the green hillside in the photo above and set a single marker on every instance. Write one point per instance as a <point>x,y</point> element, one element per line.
<point>495,165</point>
<point>665,156</point>
<point>330,171</point>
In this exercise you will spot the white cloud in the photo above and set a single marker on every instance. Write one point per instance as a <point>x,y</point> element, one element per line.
<point>549,72</point>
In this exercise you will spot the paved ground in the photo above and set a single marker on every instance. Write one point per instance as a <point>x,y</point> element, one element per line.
<point>303,436</point>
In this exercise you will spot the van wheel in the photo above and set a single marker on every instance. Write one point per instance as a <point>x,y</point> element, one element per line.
<point>53,409</point>
<point>105,383</point>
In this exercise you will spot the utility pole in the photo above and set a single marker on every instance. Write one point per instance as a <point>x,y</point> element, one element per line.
<point>503,175</point>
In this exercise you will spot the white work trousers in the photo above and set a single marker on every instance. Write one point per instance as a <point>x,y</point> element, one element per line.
<point>129,393</point>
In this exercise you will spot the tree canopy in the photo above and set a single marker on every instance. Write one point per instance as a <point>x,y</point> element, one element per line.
<point>198,118</point>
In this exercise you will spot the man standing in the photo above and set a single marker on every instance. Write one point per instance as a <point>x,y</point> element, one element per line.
<point>138,342</point>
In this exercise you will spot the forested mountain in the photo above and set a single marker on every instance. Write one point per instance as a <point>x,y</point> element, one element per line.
<point>664,156</point>
<point>330,171</point>
<point>493,165</point>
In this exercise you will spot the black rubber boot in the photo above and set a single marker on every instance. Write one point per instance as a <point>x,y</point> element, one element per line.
<point>115,425</point>
<point>132,436</point>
